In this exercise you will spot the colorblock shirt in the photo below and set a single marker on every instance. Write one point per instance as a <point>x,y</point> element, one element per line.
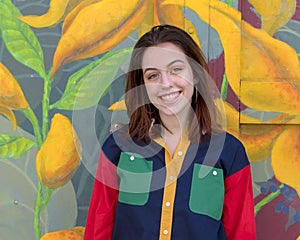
<point>202,191</point>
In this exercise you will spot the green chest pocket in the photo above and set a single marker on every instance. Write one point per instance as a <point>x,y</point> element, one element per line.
<point>207,191</point>
<point>135,174</point>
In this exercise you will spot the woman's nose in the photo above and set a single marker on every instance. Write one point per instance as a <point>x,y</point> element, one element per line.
<point>166,78</point>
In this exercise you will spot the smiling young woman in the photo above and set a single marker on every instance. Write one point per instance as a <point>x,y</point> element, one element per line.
<point>172,172</point>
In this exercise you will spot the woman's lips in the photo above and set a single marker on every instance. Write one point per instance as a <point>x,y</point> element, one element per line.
<point>170,97</point>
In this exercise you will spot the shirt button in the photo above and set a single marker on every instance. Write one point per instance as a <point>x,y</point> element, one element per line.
<point>171,178</point>
<point>168,204</point>
<point>179,153</point>
<point>165,232</point>
<point>215,173</point>
<point>131,158</point>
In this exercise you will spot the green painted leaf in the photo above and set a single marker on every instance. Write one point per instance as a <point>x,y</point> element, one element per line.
<point>14,147</point>
<point>9,4</point>
<point>86,87</point>
<point>19,38</point>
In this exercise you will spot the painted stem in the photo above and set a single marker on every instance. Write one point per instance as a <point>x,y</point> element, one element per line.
<point>224,88</point>
<point>229,2</point>
<point>47,198</point>
<point>37,211</point>
<point>45,106</point>
<point>41,200</point>
<point>267,199</point>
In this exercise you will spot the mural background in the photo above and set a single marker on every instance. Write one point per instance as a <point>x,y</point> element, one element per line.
<point>62,68</point>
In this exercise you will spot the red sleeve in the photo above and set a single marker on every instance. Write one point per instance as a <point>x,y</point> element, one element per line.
<point>238,213</point>
<point>100,219</point>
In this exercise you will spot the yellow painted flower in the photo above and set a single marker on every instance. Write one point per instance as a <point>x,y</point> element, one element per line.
<point>11,95</point>
<point>257,139</point>
<point>274,13</point>
<point>285,157</point>
<point>75,233</point>
<point>166,14</point>
<point>59,156</point>
<point>118,106</point>
<point>72,14</point>
<point>58,9</point>
<point>97,28</point>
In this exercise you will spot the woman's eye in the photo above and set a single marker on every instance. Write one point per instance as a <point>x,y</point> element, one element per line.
<point>152,76</point>
<point>176,70</point>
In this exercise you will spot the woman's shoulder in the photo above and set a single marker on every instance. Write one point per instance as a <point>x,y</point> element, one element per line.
<point>120,138</point>
<point>224,139</point>
<point>233,141</point>
<point>113,144</point>
<point>117,135</point>
<point>234,154</point>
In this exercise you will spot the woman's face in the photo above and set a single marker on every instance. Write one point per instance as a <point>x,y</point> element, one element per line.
<point>168,78</point>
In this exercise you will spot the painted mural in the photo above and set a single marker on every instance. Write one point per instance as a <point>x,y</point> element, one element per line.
<point>61,81</point>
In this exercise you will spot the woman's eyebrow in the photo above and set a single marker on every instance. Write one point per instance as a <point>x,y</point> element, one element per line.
<point>175,61</point>
<point>169,64</point>
<point>149,69</point>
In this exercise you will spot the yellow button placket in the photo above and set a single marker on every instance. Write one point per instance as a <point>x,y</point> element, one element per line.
<point>173,166</point>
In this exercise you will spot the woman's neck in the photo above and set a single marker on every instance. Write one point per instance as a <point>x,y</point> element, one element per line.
<point>175,123</point>
<point>174,128</point>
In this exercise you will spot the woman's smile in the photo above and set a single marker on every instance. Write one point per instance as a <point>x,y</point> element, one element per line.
<point>170,97</point>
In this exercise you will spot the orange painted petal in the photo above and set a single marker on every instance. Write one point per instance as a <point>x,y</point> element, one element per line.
<point>6,82</point>
<point>170,14</point>
<point>271,96</point>
<point>285,157</point>
<point>53,16</point>
<point>150,19</point>
<point>72,14</point>
<point>10,115</point>
<point>11,94</point>
<point>274,13</point>
<point>62,235</point>
<point>97,28</point>
<point>174,15</point>
<point>277,60</point>
<point>118,106</point>
<point>60,154</point>
<point>257,139</point>
<point>79,230</point>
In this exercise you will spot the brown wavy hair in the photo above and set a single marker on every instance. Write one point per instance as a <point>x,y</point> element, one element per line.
<point>141,111</point>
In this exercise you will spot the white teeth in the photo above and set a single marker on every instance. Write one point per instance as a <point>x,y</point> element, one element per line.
<point>170,96</point>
